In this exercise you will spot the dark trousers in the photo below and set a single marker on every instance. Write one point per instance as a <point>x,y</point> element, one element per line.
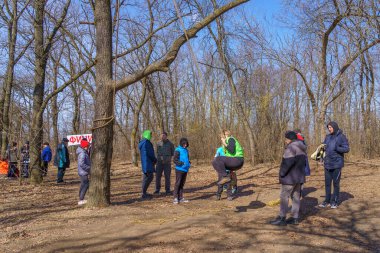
<point>221,163</point>
<point>61,173</point>
<point>146,180</point>
<point>166,169</point>
<point>332,176</point>
<point>293,191</point>
<point>180,180</point>
<point>12,170</point>
<point>84,184</point>
<point>45,168</point>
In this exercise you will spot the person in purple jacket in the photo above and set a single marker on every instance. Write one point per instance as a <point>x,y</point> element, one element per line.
<point>84,169</point>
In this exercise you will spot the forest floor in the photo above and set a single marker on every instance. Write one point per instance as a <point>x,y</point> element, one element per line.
<point>47,218</point>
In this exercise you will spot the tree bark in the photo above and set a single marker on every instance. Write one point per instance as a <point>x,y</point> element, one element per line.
<point>99,193</point>
<point>136,116</point>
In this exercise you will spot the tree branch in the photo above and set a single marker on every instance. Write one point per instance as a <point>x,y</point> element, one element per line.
<point>163,64</point>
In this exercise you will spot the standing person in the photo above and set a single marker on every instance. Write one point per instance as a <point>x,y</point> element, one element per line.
<point>336,144</point>
<point>25,160</point>
<point>181,160</point>
<point>233,160</point>
<point>300,137</point>
<point>148,161</point>
<point>165,152</point>
<point>84,169</point>
<point>291,176</point>
<point>46,158</point>
<point>12,156</point>
<point>62,159</point>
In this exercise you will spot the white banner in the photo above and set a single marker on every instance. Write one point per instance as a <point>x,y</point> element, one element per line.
<point>75,139</point>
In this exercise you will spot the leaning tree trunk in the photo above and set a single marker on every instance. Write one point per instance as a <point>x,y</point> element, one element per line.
<point>136,125</point>
<point>99,193</point>
<point>12,39</point>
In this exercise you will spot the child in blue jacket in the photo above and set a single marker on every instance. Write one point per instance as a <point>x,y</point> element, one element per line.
<point>182,165</point>
<point>46,156</point>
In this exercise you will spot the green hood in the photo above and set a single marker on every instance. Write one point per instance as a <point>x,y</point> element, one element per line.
<point>147,134</point>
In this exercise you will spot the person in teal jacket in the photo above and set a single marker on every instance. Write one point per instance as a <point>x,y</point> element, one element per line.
<point>182,165</point>
<point>62,159</point>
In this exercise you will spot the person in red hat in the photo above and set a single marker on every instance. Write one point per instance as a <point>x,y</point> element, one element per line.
<point>84,169</point>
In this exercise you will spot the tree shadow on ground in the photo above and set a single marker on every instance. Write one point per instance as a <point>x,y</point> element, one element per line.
<point>253,205</point>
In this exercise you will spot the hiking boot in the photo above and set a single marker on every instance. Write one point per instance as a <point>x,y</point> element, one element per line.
<point>224,180</point>
<point>168,193</point>
<point>183,200</point>
<point>82,202</point>
<point>324,204</point>
<point>279,221</point>
<point>156,193</point>
<point>334,206</point>
<point>175,201</point>
<point>146,196</point>
<point>293,221</point>
<point>218,196</point>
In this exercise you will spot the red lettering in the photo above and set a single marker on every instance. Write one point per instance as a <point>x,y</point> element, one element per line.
<point>72,139</point>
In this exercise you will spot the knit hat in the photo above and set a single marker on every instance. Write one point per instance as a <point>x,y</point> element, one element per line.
<point>84,144</point>
<point>147,134</point>
<point>65,139</point>
<point>291,135</point>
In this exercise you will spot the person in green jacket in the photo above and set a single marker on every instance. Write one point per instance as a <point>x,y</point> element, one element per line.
<point>233,159</point>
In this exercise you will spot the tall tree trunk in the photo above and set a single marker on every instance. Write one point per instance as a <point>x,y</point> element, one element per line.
<point>12,39</point>
<point>99,193</point>
<point>76,117</point>
<point>36,133</point>
<point>54,109</point>
<point>136,116</point>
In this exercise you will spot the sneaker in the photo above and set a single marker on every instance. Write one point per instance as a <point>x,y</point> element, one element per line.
<point>278,221</point>
<point>169,193</point>
<point>82,202</point>
<point>224,180</point>
<point>230,198</point>
<point>183,200</point>
<point>175,201</point>
<point>324,204</point>
<point>156,193</point>
<point>334,206</point>
<point>293,221</point>
<point>146,196</point>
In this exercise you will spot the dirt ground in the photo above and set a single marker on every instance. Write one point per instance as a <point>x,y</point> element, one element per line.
<point>47,218</point>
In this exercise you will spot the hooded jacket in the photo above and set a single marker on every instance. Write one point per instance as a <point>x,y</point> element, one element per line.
<point>147,153</point>
<point>336,145</point>
<point>292,169</point>
<point>84,163</point>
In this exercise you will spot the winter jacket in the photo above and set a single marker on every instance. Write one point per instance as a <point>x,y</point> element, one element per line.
<point>12,155</point>
<point>46,154</point>
<point>292,169</point>
<point>181,159</point>
<point>165,151</point>
<point>62,158</point>
<point>336,145</point>
<point>84,163</point>
<point>220,152</point>
<point>147,156</point>
<point>233,148</point>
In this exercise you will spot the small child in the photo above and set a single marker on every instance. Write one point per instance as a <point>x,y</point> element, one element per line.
<point>182,165</point>
<point>46,156</point>
<point>230,188</point>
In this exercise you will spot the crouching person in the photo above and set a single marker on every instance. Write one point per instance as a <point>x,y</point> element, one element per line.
<point>84,169</point>
<point>292,176</point>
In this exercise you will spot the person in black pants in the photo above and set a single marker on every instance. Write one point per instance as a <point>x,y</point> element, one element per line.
<point>182,165</point>
<point>165,152</point>
<point>336,145</point>
<point>148,161</point>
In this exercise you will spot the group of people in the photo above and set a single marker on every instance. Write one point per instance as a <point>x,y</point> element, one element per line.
<point>294,167</point>
<point>13,156</point>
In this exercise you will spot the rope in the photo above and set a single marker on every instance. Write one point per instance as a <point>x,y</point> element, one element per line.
<point>112,117</point>
<point>193,56</point>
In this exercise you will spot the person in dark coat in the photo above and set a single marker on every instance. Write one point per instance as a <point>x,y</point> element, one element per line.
<point>291,177</point>
<point>148,161</point>
<point>336,145</point>
<point>62,159</point>
<point>165,152</point>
